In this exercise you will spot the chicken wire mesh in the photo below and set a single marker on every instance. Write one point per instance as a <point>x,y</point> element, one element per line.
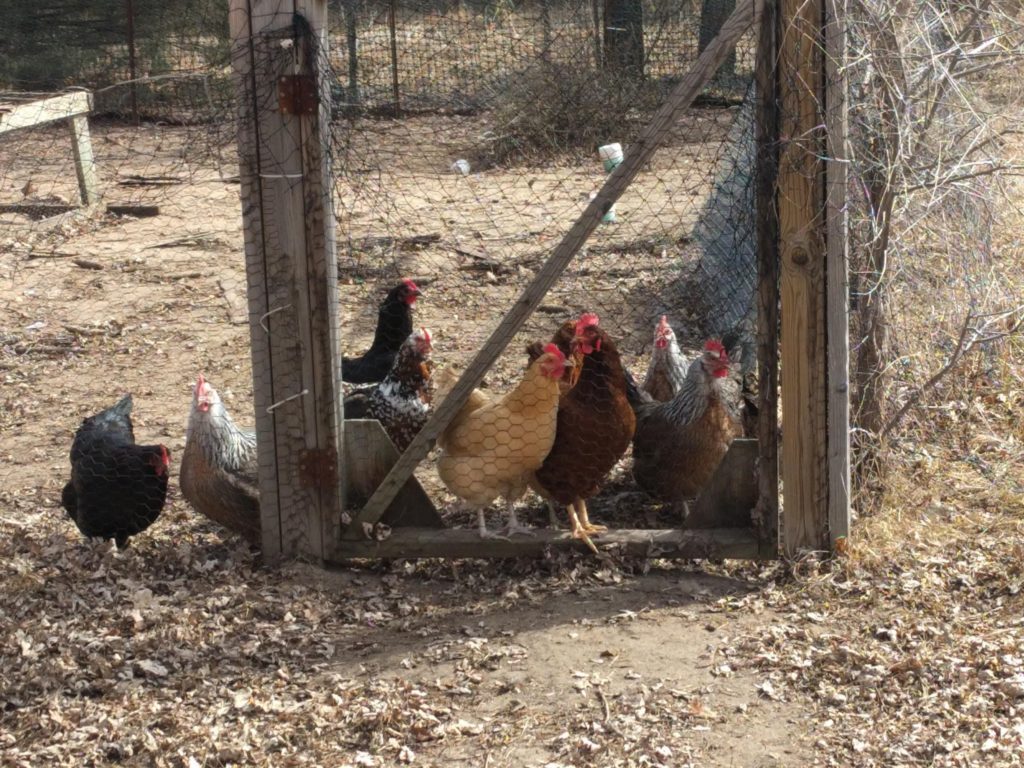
<point>470,203</point>
<point>137,293</point>
<point>461,185</point>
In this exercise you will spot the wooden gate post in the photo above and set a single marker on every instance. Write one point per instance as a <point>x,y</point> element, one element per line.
<point>278,49</point>
<point>837,294</point>
<point>815,441</point>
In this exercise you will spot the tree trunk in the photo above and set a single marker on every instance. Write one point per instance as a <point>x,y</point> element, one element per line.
<point>713,14</point>
<point>624,38</point>
<point>869,396</point>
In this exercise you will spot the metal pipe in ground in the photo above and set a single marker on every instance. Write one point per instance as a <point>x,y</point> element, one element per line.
<point>132,76</point>
<point>393,28</point>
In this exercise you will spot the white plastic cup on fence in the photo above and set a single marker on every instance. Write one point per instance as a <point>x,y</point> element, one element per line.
<point>461,167</point>
<point>611,156</point>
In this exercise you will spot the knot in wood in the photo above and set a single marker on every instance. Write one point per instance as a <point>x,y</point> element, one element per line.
<point>800,256</point>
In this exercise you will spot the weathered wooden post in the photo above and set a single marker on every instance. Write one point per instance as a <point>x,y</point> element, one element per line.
<point>811,214</point>
<point>837,300</point>
<point>278,49</point>
<point>766,517</point>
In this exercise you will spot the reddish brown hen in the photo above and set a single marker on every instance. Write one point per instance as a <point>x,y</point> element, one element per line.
<point>595,425</point>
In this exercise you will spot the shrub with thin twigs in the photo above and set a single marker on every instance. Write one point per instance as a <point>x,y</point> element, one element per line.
<point>933,297</point>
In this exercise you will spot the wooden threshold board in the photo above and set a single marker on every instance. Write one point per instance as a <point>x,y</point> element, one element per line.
<point>739,543</point>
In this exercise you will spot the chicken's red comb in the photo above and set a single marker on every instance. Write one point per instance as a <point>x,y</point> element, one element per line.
<point>201,386</point>
<point>410,284</point>
<point>587,320</point>
<point>714,345</point>
<point>426,335</point>
<point>663,326</point>
<point>552,349</point>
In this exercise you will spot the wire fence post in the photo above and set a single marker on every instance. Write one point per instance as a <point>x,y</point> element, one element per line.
<point>393,33</point>
<point>132,73</point>
<point>352,43</point>
<point>595,10</point>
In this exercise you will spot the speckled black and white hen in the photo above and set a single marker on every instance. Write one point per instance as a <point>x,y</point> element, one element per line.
<point>401,402</point>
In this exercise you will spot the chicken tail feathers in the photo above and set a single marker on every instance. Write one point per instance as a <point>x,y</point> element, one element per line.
<point>117,418</point>
<point>123,408</point>
<point>636,396</point>
<point>69,500</point>
<point>357,406</point>
<point>534,350</point>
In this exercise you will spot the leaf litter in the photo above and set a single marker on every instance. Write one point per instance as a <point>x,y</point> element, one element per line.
<point>194,654</point>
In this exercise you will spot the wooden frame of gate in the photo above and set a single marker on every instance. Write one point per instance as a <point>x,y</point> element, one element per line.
<point>311,460</point>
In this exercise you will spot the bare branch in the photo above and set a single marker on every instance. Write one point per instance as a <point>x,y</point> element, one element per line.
<point>945,181</point>
<point>968,340</point>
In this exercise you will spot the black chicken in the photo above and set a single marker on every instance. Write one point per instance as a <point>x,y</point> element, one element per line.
<point>117,488</point>
<point>394,324</point>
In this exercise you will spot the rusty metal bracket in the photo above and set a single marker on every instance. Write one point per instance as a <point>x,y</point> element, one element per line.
<point>318,468</point>
<point>296,95</point>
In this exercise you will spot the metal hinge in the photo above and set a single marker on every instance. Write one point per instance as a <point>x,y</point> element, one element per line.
<point>296,95</point>
<point>318,467</point>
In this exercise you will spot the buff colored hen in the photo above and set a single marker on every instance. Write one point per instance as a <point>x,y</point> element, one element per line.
<point>491,450</point>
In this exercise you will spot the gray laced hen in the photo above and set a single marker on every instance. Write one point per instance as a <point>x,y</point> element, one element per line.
<point>219,475</point>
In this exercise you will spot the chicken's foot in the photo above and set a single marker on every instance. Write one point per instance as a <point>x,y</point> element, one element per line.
<point>588,526</point>
<point>482,527</point>
<point>552,515</point>
<point>514,526</point>
<point>578,531</point>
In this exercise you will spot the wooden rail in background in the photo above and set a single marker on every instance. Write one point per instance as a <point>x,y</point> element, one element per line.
<point>75,109</point>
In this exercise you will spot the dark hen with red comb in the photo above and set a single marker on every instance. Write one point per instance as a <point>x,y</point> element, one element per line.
<point>394,324</point>
<point>117,488</point>
<point>401,401</point>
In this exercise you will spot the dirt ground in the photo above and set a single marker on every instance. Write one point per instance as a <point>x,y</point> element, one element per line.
<point>183,650</point>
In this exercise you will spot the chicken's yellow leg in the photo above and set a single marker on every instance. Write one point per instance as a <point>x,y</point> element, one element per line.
<point>588,526</point>
<point>578,531</point>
